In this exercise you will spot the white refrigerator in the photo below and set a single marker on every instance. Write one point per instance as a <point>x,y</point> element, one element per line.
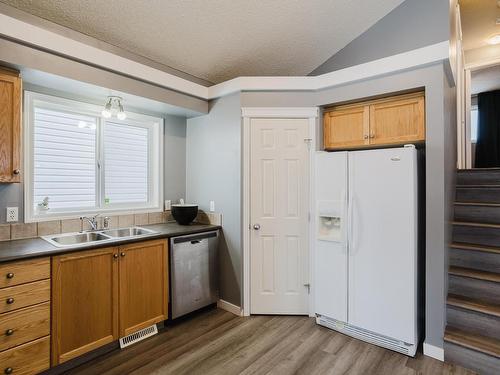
<point>365,246</point>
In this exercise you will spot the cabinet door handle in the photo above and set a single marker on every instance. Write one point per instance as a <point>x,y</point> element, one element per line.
<point>372,136</point>
<point>10,275</point>
<point>115,256</point>
<point>10,301</point>
<point>16,171</point>
<point>122,254</point>
<point>9,332</point>
<point>365,136</point>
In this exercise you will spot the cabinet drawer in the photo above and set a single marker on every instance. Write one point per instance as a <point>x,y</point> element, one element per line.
<point>24,325</point>
<point>27,359</point>
<point>26,271</point>
<point>19,296</point>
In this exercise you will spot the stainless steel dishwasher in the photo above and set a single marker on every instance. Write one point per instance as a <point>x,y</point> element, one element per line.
<point>193,272</point>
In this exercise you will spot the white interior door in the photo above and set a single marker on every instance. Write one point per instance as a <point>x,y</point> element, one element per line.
<point>383,242</point>
<point>279,209</point>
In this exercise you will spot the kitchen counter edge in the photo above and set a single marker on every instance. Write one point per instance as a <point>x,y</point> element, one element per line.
<point>14,250</point>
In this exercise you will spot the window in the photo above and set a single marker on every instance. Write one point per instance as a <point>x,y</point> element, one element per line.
<point>82,163</point>
<point>474,118</point>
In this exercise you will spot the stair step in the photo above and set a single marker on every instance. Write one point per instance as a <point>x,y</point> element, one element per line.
<point>478,260</point>
<point>472,247</point>
<point>488,291</point>
<point>482,176</point>
<point>477,212</point>
<point>475,274</point>
<point>481,363</point>
<point>486,345</point>
<point>474,305</point>
<point>478,193</point>
<point>476,233</point>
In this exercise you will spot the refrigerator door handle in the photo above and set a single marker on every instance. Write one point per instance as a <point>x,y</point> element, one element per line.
<point>350,237</point>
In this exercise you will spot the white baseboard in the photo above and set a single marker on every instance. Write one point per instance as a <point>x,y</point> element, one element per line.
<point>434,352</point>
<point>224,305</point>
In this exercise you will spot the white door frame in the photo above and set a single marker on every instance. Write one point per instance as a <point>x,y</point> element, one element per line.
<point>248,113</point>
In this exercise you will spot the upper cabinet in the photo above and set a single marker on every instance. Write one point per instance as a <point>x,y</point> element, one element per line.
<point>389,121</point>
<point>10,126</point>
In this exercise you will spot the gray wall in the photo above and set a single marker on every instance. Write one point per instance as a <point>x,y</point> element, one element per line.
<point>214,173</point>
<point>440,164</point>
<point>174,162</point>
<point>413,24</point>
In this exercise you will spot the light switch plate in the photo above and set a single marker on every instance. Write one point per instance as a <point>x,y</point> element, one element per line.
<point>168,205</point>
<point>12,214</point>
<point>212,206</point>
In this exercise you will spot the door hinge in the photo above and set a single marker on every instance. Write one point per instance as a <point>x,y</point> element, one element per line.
<point>308,286</point>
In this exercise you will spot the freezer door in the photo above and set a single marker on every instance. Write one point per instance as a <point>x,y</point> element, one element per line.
<point>383,242</point>
<point>330,256</point>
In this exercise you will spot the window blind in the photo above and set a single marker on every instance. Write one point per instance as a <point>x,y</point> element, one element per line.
<point>126,160</point>
<point>64,159</point>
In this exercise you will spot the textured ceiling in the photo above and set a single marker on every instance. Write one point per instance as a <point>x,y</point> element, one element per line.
<point>478,22</point>
<point>220,39</point>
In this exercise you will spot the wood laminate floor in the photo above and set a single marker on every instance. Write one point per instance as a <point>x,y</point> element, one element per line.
<point>217,342</point>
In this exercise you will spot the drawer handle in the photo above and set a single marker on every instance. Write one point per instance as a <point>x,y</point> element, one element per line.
<point>10,275</point>
<point>10,301</point>
<point>9,332</point>
<point>8,370</point>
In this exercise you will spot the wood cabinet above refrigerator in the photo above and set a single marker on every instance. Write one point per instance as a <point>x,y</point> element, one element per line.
<point>395,120</point>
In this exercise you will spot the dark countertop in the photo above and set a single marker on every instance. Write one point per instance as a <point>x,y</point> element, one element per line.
<point>37,247</point>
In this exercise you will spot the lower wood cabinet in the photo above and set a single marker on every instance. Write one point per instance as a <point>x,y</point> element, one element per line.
<point>143,285</point>
<point>101,295</point>
<point>84,302</point>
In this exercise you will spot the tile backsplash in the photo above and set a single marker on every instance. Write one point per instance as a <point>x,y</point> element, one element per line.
<point>19,231</point>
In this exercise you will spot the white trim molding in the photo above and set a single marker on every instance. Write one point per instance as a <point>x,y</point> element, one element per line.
<point>39,37</point>
<point>280,112</point>
<point>227,306</point>
<point>248,113</point>
<point>434,352</point>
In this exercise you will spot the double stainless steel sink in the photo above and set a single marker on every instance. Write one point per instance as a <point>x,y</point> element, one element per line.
<point>95,237</point>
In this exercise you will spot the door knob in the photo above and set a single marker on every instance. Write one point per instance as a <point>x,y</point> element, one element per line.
<point>9,301</point>
<point>10,275</point>
<point>9,332</point>
<point>8,370</point>
<point>256,226</point>
<point>16,171</point>
<point>122,254</point>
<point>115,256</point>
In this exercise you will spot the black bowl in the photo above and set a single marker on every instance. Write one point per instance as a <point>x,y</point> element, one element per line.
<point>184,214</point>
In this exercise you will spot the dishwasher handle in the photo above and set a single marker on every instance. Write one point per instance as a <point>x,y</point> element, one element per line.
<point>194,239</point>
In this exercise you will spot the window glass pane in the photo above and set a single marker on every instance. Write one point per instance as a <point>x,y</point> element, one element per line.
<point>474,114</point>
<point>64,157</point>
<point>125,163</point>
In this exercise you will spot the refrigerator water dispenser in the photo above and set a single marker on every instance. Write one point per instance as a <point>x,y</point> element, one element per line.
<point>330,221</point>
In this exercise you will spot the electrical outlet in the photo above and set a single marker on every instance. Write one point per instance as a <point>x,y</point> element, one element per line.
<point>212,206</point>
<point>12,214</point>
<point>168,205</point>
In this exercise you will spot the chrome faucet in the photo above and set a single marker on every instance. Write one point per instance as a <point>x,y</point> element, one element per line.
<point>91,220</point>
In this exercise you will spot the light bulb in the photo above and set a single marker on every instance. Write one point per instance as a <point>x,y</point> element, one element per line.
<point>106,112</point>
<point>121,115</point>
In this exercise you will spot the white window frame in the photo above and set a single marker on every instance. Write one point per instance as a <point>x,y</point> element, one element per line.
<point>155,167</point>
